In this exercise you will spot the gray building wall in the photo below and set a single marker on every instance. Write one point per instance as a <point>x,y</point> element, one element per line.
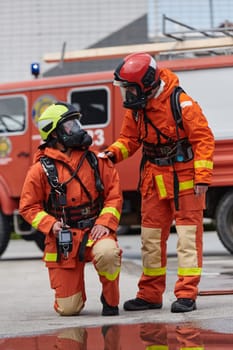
<point>29,29</point>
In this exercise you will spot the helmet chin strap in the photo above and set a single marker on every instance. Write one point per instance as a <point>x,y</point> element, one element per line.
<point>54,142</point>
<point>61,146</point>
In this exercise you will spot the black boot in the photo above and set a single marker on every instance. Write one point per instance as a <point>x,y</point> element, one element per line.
<point>183,305</point>
<point>107,309</point>
<point>138,304</point>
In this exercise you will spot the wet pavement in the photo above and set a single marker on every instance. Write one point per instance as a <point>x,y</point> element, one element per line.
<point>28,321</point>
<point>144,336</point>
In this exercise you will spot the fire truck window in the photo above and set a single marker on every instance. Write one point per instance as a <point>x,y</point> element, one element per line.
<point>12,114</point>
<point>93,105</point>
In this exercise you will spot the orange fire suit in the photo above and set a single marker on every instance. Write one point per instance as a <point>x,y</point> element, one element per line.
<point>158,208</point>
<point>67,273</point>
<point>168,336</point>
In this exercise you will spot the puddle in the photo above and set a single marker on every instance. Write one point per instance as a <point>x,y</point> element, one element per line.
<point>144,336</point>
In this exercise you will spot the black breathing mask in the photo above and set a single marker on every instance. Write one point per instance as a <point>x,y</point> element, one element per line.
<point>71,134</point>
<point>133,96</point>
<point>134,102</point>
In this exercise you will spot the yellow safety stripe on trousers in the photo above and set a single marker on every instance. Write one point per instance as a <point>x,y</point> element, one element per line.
<point>111,210</point>
<point>186,185</point>
<point>157,271</point>
<point>193,348</point>
<point>123,149</point>
<point>157,347</point>
<point>38,218</point>
<point>110,276</point>
<point>203,164</point>
<point>161,186</point>
<point>189,271</point>
<point>50,257</point>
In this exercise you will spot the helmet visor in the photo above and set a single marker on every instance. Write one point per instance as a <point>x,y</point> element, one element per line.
<point>131,93</point>
<point>71,126</point>
<point>71,134</point>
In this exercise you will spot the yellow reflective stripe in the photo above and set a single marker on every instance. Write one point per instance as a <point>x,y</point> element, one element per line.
<point>157,347</point>
<point>38,218</point>
<point>111,210</point>
<point>90,243</point>
<point>203,164</point>
<point>161,186</point>
<point>50,257</point>
<point>157,271</point>
<point>193,348</point>
<point>123,149</point>
<point>110,276</point>
<point>186,185</point>
<point>189,271</point>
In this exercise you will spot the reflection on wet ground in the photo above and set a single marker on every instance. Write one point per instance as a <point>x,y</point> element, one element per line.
<point>144,336</point>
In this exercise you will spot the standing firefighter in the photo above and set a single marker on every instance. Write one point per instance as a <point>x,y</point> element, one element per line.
<point>176,169</point>
<point>74,198</point>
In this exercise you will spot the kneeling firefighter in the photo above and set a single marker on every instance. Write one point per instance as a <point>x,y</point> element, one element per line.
<point>74,198</point>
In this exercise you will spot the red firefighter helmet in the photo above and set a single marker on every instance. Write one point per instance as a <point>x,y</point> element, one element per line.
<point>138,75</point>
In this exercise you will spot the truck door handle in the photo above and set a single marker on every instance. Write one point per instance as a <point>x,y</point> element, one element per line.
<point>23,154</point>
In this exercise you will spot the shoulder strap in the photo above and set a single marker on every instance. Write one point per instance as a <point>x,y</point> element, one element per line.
<point>50,170</point>
<point>93,161</point>
<point>158,132</point>
<point>175,106</point>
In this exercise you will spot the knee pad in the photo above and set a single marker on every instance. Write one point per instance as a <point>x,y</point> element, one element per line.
<point>107,257</point>
<point>69,306</point>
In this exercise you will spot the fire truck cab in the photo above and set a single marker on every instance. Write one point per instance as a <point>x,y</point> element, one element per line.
<point>20,106</point>
<point>93,94</point>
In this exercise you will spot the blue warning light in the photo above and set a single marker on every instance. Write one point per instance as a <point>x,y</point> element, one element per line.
<point>35,69</point>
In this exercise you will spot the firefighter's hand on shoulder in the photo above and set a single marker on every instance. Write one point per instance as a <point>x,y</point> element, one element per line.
<point>98,231</point>
<point>108,154</point>
<point>111,156</point>
<point>200,189</point>
<point>57,226</point>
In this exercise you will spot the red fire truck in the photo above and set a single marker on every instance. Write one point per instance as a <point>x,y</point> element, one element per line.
<point>207,79</point>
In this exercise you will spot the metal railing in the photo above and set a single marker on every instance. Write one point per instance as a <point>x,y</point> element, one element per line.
<point>182,35</point>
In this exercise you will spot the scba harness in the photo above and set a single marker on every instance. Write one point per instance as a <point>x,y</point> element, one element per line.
<point>172,151</point>
<point>83,216</point>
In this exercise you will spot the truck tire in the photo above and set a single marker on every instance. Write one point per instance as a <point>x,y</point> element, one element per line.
<point>224,221</point>
<point>36,236</point>
<point>39,238</point>
<point>5,232</point>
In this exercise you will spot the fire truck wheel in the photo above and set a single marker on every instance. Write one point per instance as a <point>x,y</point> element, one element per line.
<point>224,221</point>
<point>5,231</point>
<point>39,238</point>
